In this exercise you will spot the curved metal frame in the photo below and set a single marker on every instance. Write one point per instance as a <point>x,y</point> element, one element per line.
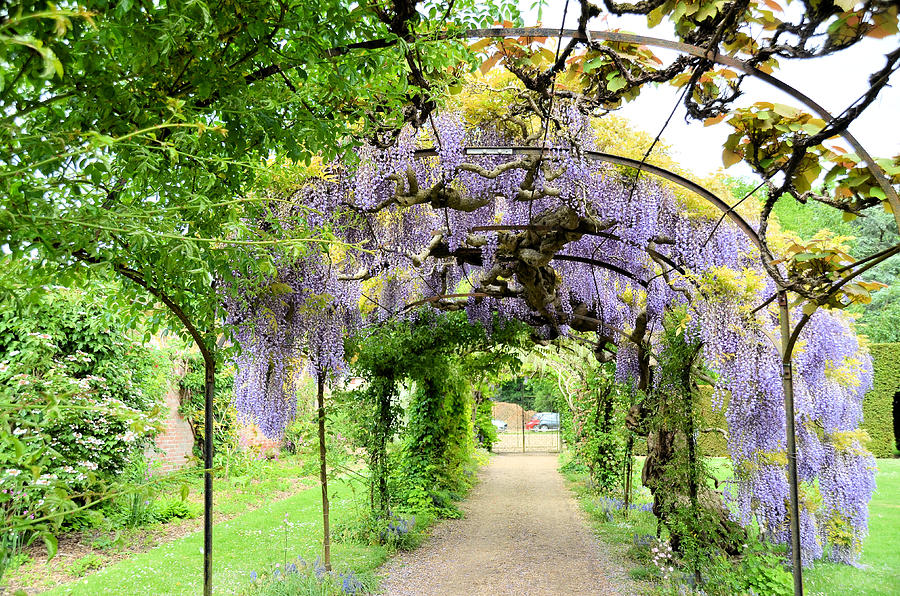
<point>788,336</point>
<point>725,60</point>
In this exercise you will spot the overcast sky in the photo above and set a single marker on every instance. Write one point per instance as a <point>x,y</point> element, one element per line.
<point>699,148</point>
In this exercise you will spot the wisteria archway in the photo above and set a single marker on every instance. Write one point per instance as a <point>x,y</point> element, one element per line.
<point>451,217</point>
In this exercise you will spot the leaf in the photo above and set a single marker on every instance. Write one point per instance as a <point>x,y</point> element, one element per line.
<point>785,110</point>
<point>871,286</point>
<point>481,44</point>
<point>729,158</point>
<point>655,17</point>
<point>845,5</point>
<point>714,120</point>
<point>594,63</point>
<point>490,62</point>
<point>52,545</point>
<point>616,84</point>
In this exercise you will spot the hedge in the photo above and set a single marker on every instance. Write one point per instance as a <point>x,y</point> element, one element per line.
<point>878,405</point>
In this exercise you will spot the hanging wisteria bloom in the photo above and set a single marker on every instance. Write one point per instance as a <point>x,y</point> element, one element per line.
<point>451,216</point>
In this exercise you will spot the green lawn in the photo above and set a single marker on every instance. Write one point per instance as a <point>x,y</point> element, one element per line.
<point>254,541</point>
<point>879,573</point>
<point>881,552</point>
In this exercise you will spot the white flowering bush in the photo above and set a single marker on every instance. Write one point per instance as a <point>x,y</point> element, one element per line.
<point>78,403</point>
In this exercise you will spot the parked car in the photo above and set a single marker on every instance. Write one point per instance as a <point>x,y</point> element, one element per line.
<point>543,421</point>
<point>499,425</point>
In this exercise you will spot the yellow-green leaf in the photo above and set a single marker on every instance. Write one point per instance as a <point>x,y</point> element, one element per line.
<point>729,158</point>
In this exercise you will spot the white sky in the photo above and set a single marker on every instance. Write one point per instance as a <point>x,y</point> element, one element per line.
<point>699,148</point>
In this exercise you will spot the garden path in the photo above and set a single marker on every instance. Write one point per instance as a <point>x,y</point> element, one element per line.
<point>522,533</point>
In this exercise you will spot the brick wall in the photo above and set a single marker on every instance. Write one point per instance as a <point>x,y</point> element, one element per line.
<point>175,445</point>
<point>250,437</point>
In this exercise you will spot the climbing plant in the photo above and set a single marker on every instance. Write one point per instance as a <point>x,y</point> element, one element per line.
<point>440,357</point>
<point>568,246</point>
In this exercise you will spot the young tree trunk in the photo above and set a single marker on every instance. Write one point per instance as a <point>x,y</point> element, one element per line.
<point>209,392</point>
<point>629,462</point>
<point>323,472</point>
<point>384,425</point>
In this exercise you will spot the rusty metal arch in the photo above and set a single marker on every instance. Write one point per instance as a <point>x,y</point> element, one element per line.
<point>677,46</point>
<point>723,59</point>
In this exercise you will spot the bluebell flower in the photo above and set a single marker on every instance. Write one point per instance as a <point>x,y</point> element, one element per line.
<point>351,585</point>
<point>253,576</point>
<point>319,569</point>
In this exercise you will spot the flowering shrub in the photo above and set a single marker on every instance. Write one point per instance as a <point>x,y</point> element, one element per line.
<point>77,404</point>
<point>394,530</point>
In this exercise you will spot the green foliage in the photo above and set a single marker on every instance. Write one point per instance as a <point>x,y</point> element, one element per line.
<point>878,404</point>
<point>536,392</point>
<point>806,220</point>
<point>875,232</point>
<point>397,531</point>
<point>79,402</point>
<point>440,356</point>
<point>311,579</point>
<point>225,437</point>
<point>597,426</point>
<point>880,321</point>
<point>82,565</point>
<point>485,431</point>
<point>135,132</point>
<point>760,570</point>
<point>165,510</point>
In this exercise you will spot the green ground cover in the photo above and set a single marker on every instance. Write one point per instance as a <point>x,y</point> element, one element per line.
<point>117,530</point>
<point>878,573</point>
<point>276,533</point>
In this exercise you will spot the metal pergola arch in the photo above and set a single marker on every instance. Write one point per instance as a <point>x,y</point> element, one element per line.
<point>677,46</point>
<point>788,336</point>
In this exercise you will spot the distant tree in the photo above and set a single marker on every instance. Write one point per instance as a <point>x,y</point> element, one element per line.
<point>537,393</point>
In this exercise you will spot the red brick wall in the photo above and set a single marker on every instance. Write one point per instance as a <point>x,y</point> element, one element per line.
<point>250,437</point>
<point>176,443</point>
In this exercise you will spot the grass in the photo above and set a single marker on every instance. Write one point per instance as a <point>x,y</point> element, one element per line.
<point>879,571</point>
<point>880,561</point>
<point>251,483</point>
<point>255,541</point>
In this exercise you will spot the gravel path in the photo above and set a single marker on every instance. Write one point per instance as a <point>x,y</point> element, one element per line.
<point>522,534</point>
